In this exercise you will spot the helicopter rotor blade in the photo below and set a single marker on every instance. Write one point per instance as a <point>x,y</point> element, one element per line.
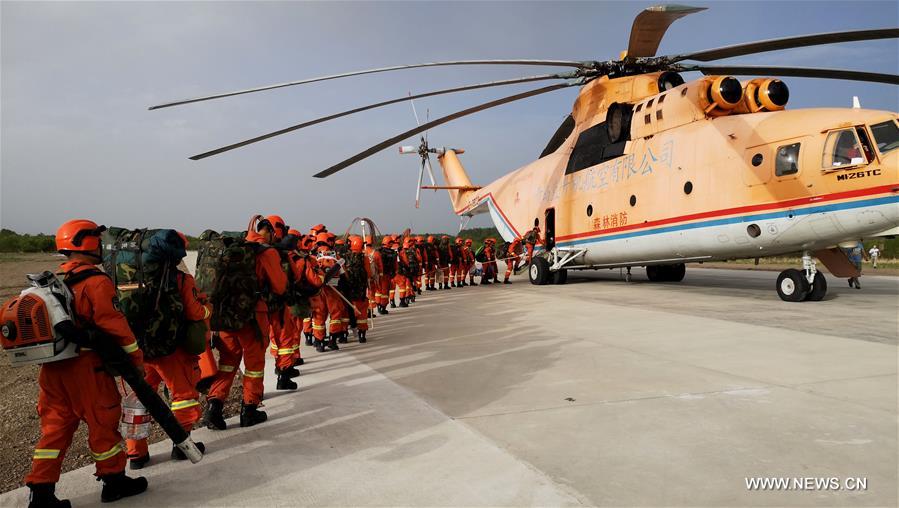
<point>650,26</point>
<point>547,63</point>
<point>309,123</point>
<point>414,112</point>
<point>440,121</point>
<point>797,72</point>
<point>430,171</point>
<point>751,48</point>
<point>421,174</point>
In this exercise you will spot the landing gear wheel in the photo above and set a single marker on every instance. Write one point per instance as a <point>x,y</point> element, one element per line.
<point>560,276</point>
<point>655,273</point>
<point>675,273</point>
<point>792,285</point>
<point>818,290</point>
<point>539,271</point>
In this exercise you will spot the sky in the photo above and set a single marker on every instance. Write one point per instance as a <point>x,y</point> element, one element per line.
<point>77,140</point>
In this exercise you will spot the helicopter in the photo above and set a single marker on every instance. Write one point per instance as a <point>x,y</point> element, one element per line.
<point>625,181</point>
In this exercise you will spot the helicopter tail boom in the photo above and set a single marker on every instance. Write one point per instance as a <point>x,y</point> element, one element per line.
<point>455,176</point>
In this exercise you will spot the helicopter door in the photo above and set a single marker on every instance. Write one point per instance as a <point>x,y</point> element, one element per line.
<point>549,239</point>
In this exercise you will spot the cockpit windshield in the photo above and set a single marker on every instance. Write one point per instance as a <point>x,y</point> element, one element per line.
<point>842,149</point>
<point>886,135</point>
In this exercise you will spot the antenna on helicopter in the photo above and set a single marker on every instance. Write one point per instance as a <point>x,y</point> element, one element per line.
<point>424,152</point>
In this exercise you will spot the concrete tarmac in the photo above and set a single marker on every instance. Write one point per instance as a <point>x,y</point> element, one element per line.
<point>597,392</point>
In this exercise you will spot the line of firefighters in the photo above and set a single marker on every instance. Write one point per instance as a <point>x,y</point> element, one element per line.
<point>347,282</point>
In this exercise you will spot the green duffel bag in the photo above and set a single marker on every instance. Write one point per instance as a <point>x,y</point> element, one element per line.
<point>194,340</point>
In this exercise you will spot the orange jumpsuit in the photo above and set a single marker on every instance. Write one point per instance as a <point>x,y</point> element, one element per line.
<point>388,279</point>
<point>431,264</point>
<point>79,389</point>
<point>443,262</point>
<point>286,346</point>
<point>339,318</point>
<point>246,342</point>
<point>307,273</point>
<point>179,370</point>
<point>489,265</point>
<point>456,277</point>
<point>361,305</point>
<point>512,257</point>
<point>374,287</point>
<point>404,260</point>
<point>468,263</point>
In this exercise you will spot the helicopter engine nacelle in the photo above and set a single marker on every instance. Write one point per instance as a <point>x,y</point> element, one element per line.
<point>763,94</point>
<point>720,95</point>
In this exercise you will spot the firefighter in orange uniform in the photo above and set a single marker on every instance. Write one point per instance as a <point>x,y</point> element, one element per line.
<point>309,278</point>
<point>468,255</point>
<point>388,273</point>
<point>489,264</point>
<point>249,342</point>
<point>79,389</point>
<point>419,244</point>
<point>179,371</point>
<point>330,265</point>
<point>281,327</point>
<point>444,258</point>
<point>355,284</point>
<point>410,266</point>
<point>531,238</point>
<point>512,259</point>
<point>374,285</point>
<point>314,325</point>
<point>432,261</point>
<point>457,264</point>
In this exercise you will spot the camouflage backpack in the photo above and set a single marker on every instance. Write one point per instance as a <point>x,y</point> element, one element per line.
<point>413,269</point>
<point>143,266</point>
<point>502,251</point>
<point>443,249</point>
<point>456,250</point>
<point>226,272</point>
<point>354,282</point>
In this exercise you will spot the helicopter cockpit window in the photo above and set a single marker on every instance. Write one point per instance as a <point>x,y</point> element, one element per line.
<point>842,149</point>
<point>787,160</point>
<point>886,135</point>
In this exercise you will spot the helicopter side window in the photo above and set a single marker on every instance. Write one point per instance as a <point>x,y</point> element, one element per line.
<point>886,135</point>
<point>866,144</point>
<point>842,149</point>
<point>787,160</point>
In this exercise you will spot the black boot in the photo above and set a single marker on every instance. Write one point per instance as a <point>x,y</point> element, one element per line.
<point>403,302</point>
<point>472,283</point>
<point>418,291</point>
<point>298,362</point>
<point>392,303</point>
<point>506,281</point>
<point>308,339</point>
<point>361,336</point>
<point>213,415</point>
<point>332,343</point>
<point>284,383</point>
<point>177,454</point>
<point>320,346</point>
<point>136,462</point>
<point>250,416</point>
<point>291,372</point>
<point>43,496</point>
<point>116,486</point>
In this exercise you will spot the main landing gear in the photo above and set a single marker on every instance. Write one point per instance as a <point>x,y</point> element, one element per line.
<point>666,273</point>
<point>540,274</point>
<point>807,284</point>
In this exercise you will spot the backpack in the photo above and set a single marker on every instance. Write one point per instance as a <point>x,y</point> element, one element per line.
<point>143,266</point>
<point>456,250</point>
<point>412,269</point>
<point>388,260</point>
<point>355,279</point>
<point>226,272</point>
<point>443,250</point>
<point>502,251</point>
<point>480,255</point>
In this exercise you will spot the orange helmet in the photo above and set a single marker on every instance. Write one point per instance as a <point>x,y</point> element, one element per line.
<point>307,242</point>
<point>279,226</point>
<point>468,242</point>
<point>356,243</point>
<point>369,240</point>
<point>79,235</point>
<point>430,239</point>
<point>419,239</point>
<point>322,238</point>
<point>490,240</point>
<point>331,238</point>
<point>183,239</point>
<point>444,237</point>
<point>295,233</point>
<point>315,230</point>
<point>394,241</point>
<point>385,242</point>
<point>458,241</point>
<point>408,242</point>
<point>340,241</point>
